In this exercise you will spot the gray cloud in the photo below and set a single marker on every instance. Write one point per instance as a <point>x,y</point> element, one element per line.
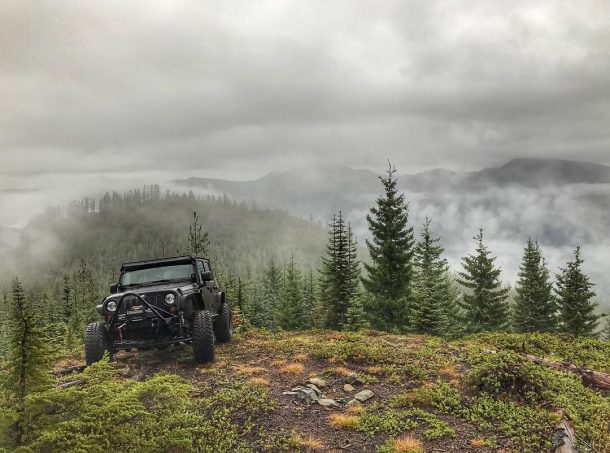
<point>240,88</point>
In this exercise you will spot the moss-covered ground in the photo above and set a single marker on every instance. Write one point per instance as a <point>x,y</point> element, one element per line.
<point>475,394</point>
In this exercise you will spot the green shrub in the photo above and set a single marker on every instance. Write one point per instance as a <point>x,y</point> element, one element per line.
<point>157,415</point>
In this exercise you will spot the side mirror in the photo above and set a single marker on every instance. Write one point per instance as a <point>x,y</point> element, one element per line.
<point>207,276</point>
<point>114,288</point>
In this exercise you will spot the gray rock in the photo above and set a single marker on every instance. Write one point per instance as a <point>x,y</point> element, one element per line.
<point>353,379</point>
<point>317,382</point>
<point>327,402</point>
<point>289,393</point>
<point>308,395</point>
<point>348,388</point>
<point>314,388</point>
<point>364,395</point>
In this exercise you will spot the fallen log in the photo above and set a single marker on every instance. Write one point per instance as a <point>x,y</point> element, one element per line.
<point>66,385</point>
<point>591,378</point>
<point>564,439</point>
<point>70,369</point>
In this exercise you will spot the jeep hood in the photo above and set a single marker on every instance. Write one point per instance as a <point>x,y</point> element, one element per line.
<point>180,287</point>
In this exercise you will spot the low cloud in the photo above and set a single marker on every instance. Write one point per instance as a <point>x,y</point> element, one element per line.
<point>236,89</point>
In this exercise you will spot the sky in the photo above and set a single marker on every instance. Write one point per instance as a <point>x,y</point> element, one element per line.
<point>116,93</point>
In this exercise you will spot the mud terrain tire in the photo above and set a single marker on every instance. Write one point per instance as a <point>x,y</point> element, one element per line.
<point>223,324</point>
<point>96,342</point>
<point>203,336</point>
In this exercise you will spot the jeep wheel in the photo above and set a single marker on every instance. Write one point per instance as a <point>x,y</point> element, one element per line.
<point>96,342</point>
<point>203,336</point>
<point>223,324</point>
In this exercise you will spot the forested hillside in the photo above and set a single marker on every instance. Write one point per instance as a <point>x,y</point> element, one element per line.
<point>145,224</point>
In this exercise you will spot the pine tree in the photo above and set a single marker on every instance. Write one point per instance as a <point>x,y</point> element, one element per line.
<point>198,241</point>
<point>340,272</point>
<point>535,307</point>
<point>84,297</point>
<point>453,318</point>
<point>390,273</point>
<point>259,313</point>
<point>430,287</point>
<point>29,359</point>
<point>356,317</point>
<point>291,314</point>
<point>574,291</point>
<point>606,332</point>
<point>485,304</point>
<point>311,298</point>
<point>272,283</point>
<point>4,320</point>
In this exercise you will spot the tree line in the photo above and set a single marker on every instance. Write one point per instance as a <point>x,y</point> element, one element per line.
<point>408,287</point>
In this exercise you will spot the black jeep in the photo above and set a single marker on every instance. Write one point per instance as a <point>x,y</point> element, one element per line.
<point>160,302</point>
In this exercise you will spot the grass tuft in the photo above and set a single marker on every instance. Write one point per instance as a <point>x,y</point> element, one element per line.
<point>293,368</point>
<point>407,444</point>
<point>344,421</point>
<point>261,382</point>
<point>250,370</point>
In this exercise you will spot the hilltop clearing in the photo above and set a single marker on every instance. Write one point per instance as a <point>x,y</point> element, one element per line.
<point>477,394</point>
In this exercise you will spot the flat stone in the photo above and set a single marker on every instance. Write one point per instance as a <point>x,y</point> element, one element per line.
<point>317,382</point>
<point>348,388</point>
<point>327,402</point>
<point>289,393</point>
<point>364,395</point>
<point>308,395</point>
<point>296,389</point>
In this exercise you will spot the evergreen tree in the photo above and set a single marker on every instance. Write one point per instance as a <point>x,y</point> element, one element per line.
<point>390,273</point>
<point>4,320</point>
<point>29,359</point>
<point>485,304</point>
<point>340,272</point>
<point>535,307</point>
<point>84,297</point>
<point>311,299</point>
<point>606,332</point>
<point>198,241</point>
<point>453,318</point>
<point>356,317</point>
<point>291,312</point>
<point>272,283</point>
<point>575,291</point>
<point>430,287</point>
<point>259,313</point>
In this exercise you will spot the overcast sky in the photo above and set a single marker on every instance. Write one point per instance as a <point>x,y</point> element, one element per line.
<point>236,89</point>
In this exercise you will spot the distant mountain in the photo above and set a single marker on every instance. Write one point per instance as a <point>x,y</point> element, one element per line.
<point>318,191</point>
<point>315,191</point>
<point>539,173</point>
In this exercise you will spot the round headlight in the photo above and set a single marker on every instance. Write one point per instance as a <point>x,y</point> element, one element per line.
<point>170,299</point>
<point>111,306</point>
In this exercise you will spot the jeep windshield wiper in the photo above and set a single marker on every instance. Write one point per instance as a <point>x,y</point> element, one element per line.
<point>167,280</point>
<point>134,285</point>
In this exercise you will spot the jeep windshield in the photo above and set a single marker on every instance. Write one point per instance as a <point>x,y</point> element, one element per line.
<point>157,274</point>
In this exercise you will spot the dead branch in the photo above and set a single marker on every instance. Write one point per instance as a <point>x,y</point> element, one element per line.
<point>70,369</point>
<point>66,385</point>
<point>563,438</point>
<point>591,378</point>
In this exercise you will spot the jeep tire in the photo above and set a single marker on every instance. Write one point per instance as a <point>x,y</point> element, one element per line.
<point>203,336</point>
<point>223,324</point>
<point>96,342</point>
